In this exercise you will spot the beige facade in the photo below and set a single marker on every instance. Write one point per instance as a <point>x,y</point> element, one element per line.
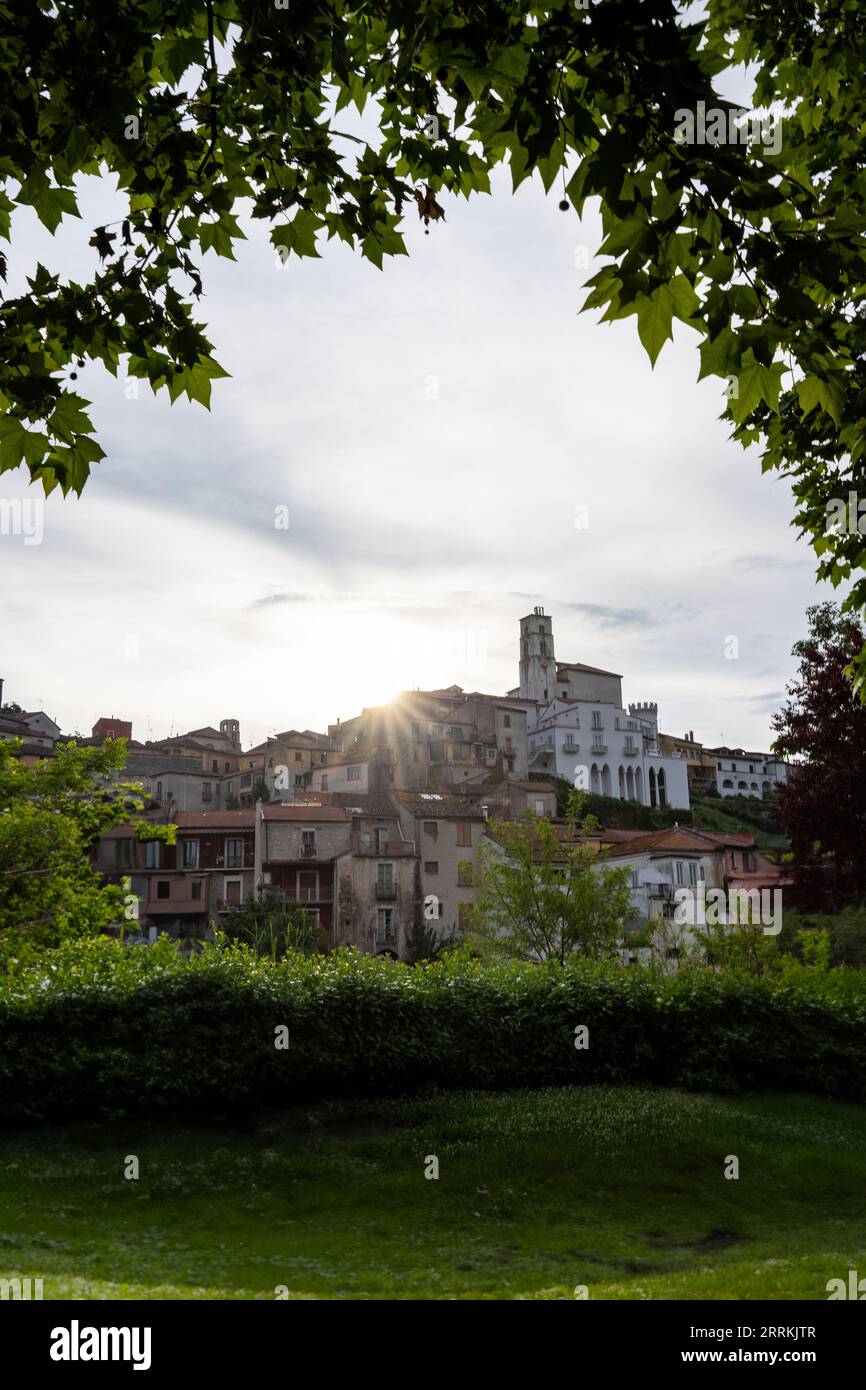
<point>447,834</point>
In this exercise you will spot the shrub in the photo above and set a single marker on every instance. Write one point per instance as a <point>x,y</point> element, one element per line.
<point>103,1030</point>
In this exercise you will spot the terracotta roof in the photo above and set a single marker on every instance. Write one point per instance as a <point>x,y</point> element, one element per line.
<point>436,805</point>
<point>660,840</point>
<point>216,820</point>
<point>305,812</point>
<point>530,786</point>
<point>735,838</point>
<point>374,804</point>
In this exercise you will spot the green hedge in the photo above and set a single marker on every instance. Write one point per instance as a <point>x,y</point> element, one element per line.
<point>111,1031</point>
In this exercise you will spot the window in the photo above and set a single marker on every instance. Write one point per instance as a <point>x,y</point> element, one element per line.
<point>151,854</point>
<point>308,844</point>
<point>297,757</point>
<point>681,872</point>
<point>464,873</point>
<point>381,836</point>
<point>464,832</point>
<point>565,694</point>
<point>431,866</point>
<point>431,828</point>
<point>299,779</point>
<point>307,888</point>
<point>323,757</point>
<point>509,763</point>
<point>227,767</point>
<point>384,924</point>
<point>123,854</point>
<point>596,719</point>
<point>234,854</point>
<point>733,858</point>
<point>693,873</point>
<point>215,765</point>
<point>159,791</point>
<point>748,861</point>
<point>506,721</point>
<point>353,772</point>
<point>751,767</point>
<point>719,764</point>
<point>597,743</point>
<point>163,888</point>
<point>325,782</point>
<point>385,879</point>
<point>635,879</point>
<point>196,890</point>
<point>206,791</point>
<point>416,730</point>
<point>190,854</point>
<point>629,744</point>
<point>539,808</point>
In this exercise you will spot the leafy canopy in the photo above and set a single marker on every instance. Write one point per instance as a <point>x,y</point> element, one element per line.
<point>52,814</point>
<point>541,895</point>
<point>202,111</point>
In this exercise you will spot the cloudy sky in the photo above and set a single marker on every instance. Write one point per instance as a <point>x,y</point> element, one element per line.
<point>439,433</point>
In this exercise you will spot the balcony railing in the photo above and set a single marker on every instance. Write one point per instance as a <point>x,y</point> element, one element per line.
<point>386,892</point>
<point>309,851</point>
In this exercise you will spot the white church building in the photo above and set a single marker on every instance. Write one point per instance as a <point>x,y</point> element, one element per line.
<point>581,730</point>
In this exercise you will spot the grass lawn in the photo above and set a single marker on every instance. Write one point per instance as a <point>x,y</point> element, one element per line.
<point>621,1190</point>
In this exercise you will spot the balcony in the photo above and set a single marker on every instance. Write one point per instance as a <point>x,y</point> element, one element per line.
<point>598,748</point>
<point>178,904</point>
<point>386,892</point>
<point>629,752</point>
<point>309,851</point>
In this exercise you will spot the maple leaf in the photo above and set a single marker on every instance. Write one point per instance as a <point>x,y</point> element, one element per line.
<point>102,240</point>
<point>428,208</point>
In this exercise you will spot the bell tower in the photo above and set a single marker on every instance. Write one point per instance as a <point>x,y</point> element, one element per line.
<point>537,659</point>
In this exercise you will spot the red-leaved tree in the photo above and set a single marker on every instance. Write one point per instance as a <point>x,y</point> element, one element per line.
<point>822,727</point>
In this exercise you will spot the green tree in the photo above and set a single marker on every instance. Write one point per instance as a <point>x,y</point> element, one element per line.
<point>200,110</point>
<point>541,895</point>
<point>52,814</point>
<point>272,928</point>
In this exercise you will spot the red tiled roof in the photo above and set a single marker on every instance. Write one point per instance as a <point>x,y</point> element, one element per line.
<point>216,820</point>
<point>675,839</point>
<point>305,812</point>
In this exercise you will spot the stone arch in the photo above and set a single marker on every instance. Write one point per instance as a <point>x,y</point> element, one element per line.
<point>629,781</point>
<point>662,787</point>
<point>621,780</point>
<point>606,789</point>
<point>765,789</point>
<point>594,781</point>
<point>638,784</point>
<point>652,786</point>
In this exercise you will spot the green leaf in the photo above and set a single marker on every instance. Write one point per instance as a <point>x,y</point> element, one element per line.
<point>654,315</point>
<point>814,390</point>
<point>299,235</point>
